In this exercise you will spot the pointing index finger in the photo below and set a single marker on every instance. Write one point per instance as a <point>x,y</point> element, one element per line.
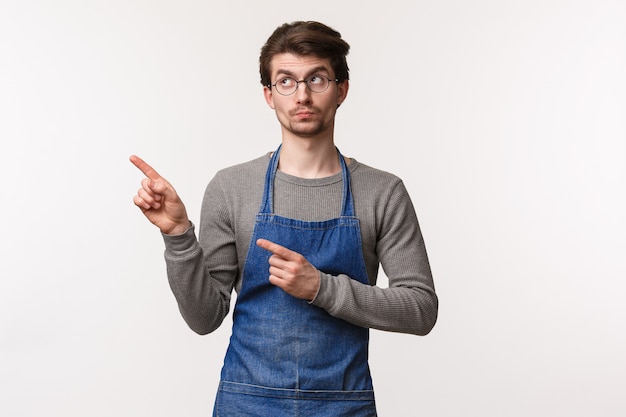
<point>275,248</point>
<point>145,168</point>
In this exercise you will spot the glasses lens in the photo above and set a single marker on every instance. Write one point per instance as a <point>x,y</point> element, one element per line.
<point>286,86</point>
<point>317,83</point>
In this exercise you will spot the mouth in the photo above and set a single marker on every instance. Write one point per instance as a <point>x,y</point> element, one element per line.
<point>304,114</point>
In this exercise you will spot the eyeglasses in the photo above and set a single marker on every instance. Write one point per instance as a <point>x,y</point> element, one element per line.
<point>316,83</point>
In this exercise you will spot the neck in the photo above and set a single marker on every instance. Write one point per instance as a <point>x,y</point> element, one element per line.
<point>309,158</point>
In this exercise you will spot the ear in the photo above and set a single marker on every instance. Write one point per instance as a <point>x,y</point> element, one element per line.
<point>342,91</point>
<point>269,97</point>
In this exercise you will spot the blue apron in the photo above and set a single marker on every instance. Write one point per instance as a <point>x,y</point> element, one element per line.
<point>286,356</point>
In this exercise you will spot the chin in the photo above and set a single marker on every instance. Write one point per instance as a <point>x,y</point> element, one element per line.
<point>306,131</point>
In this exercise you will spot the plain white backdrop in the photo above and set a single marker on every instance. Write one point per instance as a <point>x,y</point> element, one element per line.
<point>506,120</point>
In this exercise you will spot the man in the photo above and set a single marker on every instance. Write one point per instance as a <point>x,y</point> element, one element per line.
<point>299,234</point>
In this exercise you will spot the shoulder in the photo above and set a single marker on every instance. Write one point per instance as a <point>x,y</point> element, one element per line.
<point>378,192</point>
<point>244,170</point>
<point>363,175</point>
<point>239,179</point>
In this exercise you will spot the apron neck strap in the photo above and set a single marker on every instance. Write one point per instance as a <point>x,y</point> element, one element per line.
<point>267,205</point>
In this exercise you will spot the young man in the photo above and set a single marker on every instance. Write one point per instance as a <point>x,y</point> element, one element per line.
<point>299,234</point>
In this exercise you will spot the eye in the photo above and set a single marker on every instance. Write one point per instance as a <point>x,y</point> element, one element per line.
<point>287,82</point>
<point>316,80</point>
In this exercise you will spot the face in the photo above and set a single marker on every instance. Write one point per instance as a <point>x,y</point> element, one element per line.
<point>305,113</point>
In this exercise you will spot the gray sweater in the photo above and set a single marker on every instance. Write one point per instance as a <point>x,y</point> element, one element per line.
<point>203,271</point>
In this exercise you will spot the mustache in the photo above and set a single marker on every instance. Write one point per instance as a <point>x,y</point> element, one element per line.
<point>303,109</point>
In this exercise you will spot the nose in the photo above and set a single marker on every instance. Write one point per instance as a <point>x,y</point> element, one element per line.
<point>303,93</point>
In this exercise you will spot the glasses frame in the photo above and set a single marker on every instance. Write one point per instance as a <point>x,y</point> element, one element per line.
<point>306,82</point>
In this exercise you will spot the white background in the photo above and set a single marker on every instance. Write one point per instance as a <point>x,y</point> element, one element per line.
<point>506,120</point>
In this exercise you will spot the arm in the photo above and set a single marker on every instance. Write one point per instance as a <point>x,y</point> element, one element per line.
<point>202,272</point>
<point>203,300</point>
<point>410,304</point>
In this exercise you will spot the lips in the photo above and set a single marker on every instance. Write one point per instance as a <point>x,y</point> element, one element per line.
<point>304,114</point>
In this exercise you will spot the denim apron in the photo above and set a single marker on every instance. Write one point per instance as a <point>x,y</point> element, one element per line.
<point>286,356</point>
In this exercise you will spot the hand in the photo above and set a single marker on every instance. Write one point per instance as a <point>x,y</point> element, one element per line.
<point>291,272</point>
<point>159,202</point>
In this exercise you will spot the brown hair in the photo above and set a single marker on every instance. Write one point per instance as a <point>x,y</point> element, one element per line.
<point>305,38</point>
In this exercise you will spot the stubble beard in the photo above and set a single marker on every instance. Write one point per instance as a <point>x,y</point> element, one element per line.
<point>307,129</point>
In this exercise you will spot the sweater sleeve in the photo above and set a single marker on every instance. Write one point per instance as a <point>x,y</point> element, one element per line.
<point>409,304</point>
<point>202,275</point>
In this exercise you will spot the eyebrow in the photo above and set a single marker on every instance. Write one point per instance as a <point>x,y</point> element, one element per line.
<point>315,70</point>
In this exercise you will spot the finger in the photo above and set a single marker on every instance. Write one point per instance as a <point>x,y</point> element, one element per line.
<point>141,203</point>
<point>152,188</point>
<point>149,198</point>
<point>145,168</point>
<point>277,249</point>
<point>159,189</point>
<point>278,282</point>
<point>280,271</point>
